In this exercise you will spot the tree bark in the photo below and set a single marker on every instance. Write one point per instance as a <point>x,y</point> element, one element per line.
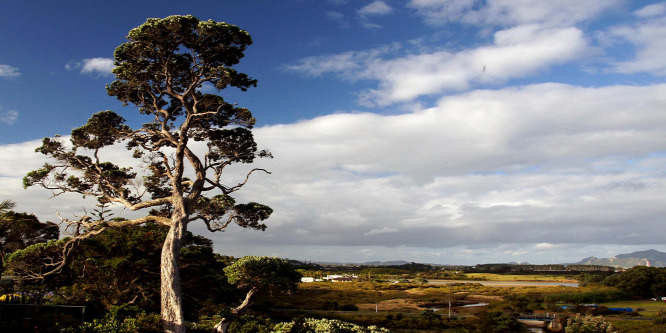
<point>171,293</point>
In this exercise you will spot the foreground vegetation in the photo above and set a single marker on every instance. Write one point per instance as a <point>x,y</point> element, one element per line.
<point>368,306</point>
<point>115,275</point>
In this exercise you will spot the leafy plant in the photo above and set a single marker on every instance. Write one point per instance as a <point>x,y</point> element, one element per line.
<point>311,325</point>
<point>588,324</point>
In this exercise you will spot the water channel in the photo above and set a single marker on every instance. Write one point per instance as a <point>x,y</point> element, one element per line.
<point>508,284</point>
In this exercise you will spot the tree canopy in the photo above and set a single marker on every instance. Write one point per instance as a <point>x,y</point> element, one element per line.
<point>255,274</point>
<point>263,273</point>
<point>641,281</point>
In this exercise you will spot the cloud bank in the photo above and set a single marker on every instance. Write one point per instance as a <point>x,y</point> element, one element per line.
<point>513,168</point>
<point>484,168</point>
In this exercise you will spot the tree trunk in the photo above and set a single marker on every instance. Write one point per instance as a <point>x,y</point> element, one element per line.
<point>172,306</point>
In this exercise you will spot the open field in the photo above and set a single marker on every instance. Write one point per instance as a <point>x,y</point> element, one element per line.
<point>406,298</point>
<point>400,306</point>
<point>521,277</point>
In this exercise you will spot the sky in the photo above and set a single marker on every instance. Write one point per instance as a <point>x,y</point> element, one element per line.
<point>433,131</point>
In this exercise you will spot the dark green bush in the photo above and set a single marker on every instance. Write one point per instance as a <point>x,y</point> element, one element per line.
<point>349,307</point>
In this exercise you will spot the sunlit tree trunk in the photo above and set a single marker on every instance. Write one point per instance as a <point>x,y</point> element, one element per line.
<point>171,292</point>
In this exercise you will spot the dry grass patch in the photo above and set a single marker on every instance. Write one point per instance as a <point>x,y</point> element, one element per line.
<point>482,298</point>
<point>416,291</point>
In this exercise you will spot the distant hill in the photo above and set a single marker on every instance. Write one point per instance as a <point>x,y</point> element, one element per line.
<point>652,258</point>
<point>385,263</point>
<point>367,263</point>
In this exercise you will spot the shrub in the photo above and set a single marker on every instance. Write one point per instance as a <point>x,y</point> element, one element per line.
<point>124,319</point>
<point>429,315</point>
<point>420,280</point>
<point>588,324</point>
<point>660,318</point>
<point>596,296</point>
<point>251,323</point>
<point>349,307</point>
<point>498,322</point>
<point>311,325</point>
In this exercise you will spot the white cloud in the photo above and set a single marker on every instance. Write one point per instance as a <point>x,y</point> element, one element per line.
<point>8,117</point>
<point>7,71</point>
<point>376,8</point>
<point>102,66</point>
<point>99,66</point>
<point>544,246</point>
<point>657,9</point>
<point>383,230</point>
<point>349,65</point>
<point>508,13</point>
<point>649,40</point>
<point>517,52</point>
<point>338,17</point>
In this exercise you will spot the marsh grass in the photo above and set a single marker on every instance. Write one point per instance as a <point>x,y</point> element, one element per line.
<point>368,296</point>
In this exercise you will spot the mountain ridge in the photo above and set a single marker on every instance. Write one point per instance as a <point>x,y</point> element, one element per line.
<point>649,257</point>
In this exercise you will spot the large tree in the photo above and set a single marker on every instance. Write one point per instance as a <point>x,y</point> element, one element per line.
<point>162,70</point>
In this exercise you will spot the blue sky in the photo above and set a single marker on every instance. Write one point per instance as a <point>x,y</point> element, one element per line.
<point>453,132</point>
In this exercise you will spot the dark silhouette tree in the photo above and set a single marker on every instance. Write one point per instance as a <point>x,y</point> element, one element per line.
<point>162,70</point>
<point>20,230</point>
<point>121,267</point>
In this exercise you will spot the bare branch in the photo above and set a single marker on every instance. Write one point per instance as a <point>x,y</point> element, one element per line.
<point>211,225</point>
<point>228,190</point>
